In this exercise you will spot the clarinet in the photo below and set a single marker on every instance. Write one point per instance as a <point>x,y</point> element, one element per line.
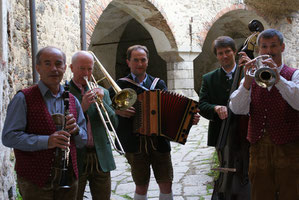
<point>65,152</point>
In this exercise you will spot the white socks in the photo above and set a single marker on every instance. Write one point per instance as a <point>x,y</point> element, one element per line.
<point>140,197</point>
<point>165,196</point>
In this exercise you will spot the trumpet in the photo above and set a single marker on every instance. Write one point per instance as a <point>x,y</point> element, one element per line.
<point>124,98</point>
<point>264,76</point>
<point>99,104</point>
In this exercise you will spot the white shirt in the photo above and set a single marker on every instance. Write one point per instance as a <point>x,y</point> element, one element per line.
<point>230,74</point>
<point>289,90</point>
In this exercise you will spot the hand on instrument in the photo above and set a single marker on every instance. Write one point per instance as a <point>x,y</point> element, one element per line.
<point>99,92</point>
<point>270,63</point>
<point>90,97</point>
<point>71,124</point>
<point>221,111</point>
<point>128,113</point>
<point>60,139</point>
<point>196,118</point>
<point>243,58</point>
<point>247,78</point>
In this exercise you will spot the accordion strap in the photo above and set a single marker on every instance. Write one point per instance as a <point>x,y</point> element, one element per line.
<point>137,84</point>
<point>154,83</point>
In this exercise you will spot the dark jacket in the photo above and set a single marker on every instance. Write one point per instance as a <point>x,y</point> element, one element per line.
<point>129,140</point>
<point>214,91</point>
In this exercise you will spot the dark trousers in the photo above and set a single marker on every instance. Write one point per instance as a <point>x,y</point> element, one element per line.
<point>50,191</point>
<point>99,181</point>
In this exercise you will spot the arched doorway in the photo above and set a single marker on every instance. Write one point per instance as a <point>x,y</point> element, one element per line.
<point>233,24</point>
<point>135,33</point>
<point>121,26</point>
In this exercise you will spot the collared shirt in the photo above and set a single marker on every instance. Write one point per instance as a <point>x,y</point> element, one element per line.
<point>289,90</point>
<point>137,81</point>
<point>230,74</point>
<point>14,135</point>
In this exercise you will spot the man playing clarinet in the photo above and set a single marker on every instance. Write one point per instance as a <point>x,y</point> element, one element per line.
<point>30,129</point>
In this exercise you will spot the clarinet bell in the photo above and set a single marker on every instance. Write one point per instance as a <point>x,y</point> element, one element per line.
<point>63,180</point>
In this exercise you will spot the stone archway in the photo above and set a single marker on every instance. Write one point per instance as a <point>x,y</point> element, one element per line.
<point>233,24</point>
<point>124,23</point>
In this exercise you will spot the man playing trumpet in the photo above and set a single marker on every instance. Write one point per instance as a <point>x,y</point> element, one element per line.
<point>95,161</point>
<point>273,129</point>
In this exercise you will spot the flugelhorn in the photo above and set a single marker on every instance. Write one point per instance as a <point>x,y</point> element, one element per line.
<point>264,76</point>
<point>99,103</point>
<point>124,98</point>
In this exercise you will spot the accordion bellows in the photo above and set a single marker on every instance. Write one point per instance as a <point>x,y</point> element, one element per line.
<point>164,113</point>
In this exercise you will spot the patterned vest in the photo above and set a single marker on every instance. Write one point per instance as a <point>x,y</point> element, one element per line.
<point>271,113</point>
<point>36,166</point>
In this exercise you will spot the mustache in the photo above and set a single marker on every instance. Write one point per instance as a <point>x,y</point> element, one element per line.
<point>54,74</point>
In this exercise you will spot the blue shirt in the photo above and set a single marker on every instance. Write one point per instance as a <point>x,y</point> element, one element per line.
<point>14,135</point>
<point>136,79</point>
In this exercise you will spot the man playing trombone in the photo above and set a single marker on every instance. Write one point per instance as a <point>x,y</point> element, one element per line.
<point>95,161</point>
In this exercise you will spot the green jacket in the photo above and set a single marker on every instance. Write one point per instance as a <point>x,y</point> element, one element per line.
<point>214,91</point>
<point>101,141</point>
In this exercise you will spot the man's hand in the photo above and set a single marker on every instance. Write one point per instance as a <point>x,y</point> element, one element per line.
<point>128,113</point>
<point>196,117</point>
<point>60,139</point>
<point>90,97</point>
<point>243,59</point>
<point>71,124</point>
<point>248,79</point>
<point>270,63</point>
<point>221,111</point>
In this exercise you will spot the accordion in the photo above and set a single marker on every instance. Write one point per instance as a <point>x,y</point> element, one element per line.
<point>164,113</point>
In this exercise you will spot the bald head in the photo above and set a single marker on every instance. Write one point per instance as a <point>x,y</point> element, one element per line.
<point>46,49</point>
<point>81,55</point>
<point>82,66</point>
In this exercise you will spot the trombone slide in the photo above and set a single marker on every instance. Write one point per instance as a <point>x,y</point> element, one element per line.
<point>106,121</point>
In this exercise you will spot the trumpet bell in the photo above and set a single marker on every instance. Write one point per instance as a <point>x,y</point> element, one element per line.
<point>265,77</point>
<point>124,99</point>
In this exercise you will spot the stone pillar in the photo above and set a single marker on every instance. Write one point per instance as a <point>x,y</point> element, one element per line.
<point>180,73</point>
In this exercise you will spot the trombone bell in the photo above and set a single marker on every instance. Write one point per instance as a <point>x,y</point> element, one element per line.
<point>124,99</point>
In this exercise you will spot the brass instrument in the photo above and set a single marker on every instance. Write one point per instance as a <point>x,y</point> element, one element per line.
<point>92,85</point>
<point>264,76</point>
<point>124,98</point>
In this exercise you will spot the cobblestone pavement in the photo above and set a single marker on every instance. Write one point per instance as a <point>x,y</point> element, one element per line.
<point>191,163</point>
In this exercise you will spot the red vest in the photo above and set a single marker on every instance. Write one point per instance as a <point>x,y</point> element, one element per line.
<point>37,166</point>
<point>271,113</point>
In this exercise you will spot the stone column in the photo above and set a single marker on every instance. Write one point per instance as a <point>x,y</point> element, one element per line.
<point>180,73</point>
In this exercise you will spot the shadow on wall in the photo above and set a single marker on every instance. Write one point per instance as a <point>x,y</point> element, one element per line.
<point>135,33</point>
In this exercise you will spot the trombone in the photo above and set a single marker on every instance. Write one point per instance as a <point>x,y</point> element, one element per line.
<point>124,98</point>
<point>98,103</point>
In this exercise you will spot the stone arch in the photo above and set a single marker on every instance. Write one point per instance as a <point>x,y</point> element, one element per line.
<point>148,13</point>
<point>108,21</point>
<point>233,22</point>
